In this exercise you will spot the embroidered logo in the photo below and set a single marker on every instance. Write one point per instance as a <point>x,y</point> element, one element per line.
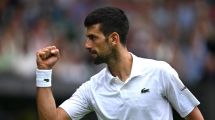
<point>47,80</point>
<point>144,90</point>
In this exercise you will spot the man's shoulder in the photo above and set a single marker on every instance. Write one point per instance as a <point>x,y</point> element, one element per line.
<point>95,79</point>
<point>152,64</point>
<point>98,76</point>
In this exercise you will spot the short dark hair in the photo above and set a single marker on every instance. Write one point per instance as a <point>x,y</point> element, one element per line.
<point>111,20</point>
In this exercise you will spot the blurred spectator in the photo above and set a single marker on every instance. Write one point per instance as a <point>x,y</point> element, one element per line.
<point>209,75</point>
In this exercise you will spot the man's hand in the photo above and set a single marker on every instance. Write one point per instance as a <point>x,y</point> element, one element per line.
<point>47,57</point>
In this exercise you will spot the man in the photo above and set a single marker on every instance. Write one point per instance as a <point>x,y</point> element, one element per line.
<point>129,88</point>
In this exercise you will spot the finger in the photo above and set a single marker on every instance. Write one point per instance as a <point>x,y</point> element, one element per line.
<point>55,52</point>
<point>47,52</point>
<point>47,49</point>
<point>38,56</point>
<point>50,47</point>
<point>53,47</point>
<point>43,54</point>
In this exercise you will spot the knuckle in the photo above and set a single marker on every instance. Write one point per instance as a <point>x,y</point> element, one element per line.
<point>37,53</point>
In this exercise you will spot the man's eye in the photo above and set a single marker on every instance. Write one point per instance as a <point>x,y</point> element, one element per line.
<point>92,38</point>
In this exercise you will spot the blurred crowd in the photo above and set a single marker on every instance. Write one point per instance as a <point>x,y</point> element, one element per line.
<point>180,32</point>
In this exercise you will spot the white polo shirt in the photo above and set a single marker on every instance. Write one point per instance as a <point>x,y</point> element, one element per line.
<point>148,94</point>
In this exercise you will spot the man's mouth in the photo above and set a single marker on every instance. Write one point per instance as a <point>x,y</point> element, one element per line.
<point>93,53</point>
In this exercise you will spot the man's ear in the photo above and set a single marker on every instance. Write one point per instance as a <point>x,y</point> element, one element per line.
<point>114,38</point>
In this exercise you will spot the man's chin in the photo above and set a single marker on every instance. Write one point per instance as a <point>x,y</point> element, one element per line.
<point>98,62</point>
<point>97,59</point>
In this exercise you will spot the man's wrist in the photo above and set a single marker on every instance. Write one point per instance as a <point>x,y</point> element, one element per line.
<point>43,77</point>
<point>43,67</point>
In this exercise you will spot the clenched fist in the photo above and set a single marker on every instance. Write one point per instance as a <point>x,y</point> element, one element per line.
<point>47,57</point>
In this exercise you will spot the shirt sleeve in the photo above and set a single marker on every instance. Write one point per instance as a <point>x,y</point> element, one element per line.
<point>182,100</point>
<point>78,104</point>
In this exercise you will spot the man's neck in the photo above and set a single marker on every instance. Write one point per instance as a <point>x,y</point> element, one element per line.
<point>121,64</point>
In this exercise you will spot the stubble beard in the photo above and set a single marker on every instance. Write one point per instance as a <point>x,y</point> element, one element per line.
<point>99,60</point>
<point>103,58</point>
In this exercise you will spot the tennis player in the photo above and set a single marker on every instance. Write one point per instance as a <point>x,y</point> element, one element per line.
<point>129,88</point>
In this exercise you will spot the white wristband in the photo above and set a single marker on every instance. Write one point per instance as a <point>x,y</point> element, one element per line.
<point>43,78</point>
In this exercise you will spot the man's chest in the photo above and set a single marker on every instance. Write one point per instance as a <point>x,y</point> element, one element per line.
<point>138,94</point>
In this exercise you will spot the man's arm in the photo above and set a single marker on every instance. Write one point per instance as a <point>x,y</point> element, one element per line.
<point>47,107</point>
<point>46,59</point>
<point>194,115</point>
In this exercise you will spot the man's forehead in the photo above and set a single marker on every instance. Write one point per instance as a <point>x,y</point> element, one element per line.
<point>93,29</point>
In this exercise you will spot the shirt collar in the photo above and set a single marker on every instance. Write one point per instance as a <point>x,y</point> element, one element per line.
<point>135,71</point>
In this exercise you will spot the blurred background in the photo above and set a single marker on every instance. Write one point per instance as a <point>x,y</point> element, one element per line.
<point>180,32</point>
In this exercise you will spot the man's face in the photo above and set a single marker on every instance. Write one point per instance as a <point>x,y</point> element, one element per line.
<point>98,45</point>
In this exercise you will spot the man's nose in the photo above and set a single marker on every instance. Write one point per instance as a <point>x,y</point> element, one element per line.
<point>87,44</point>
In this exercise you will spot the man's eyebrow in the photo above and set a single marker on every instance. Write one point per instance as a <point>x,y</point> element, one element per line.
<point>91,35</point>
<point>88,35</point>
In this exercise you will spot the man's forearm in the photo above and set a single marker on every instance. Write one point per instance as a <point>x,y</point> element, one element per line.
<point>46,104</point>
